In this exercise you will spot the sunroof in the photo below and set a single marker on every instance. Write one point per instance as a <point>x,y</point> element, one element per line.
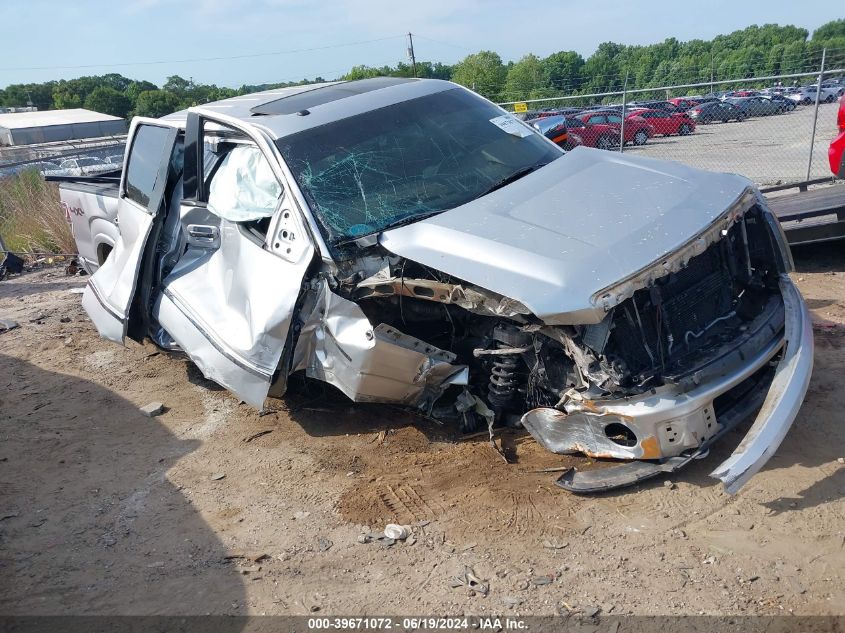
<point>319,96</point>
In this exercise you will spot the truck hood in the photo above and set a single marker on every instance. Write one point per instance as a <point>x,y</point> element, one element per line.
<point>558,236</point>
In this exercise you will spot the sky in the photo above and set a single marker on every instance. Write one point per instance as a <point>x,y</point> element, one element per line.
<point>264,41</point>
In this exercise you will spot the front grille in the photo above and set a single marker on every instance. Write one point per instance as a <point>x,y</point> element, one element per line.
<point>665,327</point>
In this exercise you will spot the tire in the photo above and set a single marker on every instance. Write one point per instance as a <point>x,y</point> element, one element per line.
<point>685,129</point>
<point>805,102</point>
<point>740,118</point>
<point>641,137</point>
<point>605,142</point>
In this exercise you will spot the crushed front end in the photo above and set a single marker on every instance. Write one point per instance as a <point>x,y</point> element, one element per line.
<point>681,358</point>
<point>672,358</point>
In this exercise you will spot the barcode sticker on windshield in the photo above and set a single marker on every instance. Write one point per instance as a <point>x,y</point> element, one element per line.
<point>511,125</point>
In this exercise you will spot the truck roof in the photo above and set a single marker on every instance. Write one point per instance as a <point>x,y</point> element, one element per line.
<point>285,111</point>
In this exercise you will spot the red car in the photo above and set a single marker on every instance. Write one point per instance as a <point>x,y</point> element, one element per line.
<point>683,103</point>
<point>836,153</point>
<point>607,124</point>
<point>667,123</point>
<point>601,136</point>
<point>744,93</point>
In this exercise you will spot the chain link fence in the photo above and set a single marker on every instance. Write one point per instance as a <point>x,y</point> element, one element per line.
<point>774,129</point>
<point>69,158</point>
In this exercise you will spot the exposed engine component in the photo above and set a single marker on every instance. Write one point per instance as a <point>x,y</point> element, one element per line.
<point>505,364</point>
<point>662,333</point>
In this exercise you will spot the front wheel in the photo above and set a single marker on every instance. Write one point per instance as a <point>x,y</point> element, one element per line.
<point>740,119</point>
<point>641,137</point>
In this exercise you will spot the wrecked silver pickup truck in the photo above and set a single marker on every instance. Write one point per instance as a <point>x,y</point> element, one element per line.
<point>411,243</point>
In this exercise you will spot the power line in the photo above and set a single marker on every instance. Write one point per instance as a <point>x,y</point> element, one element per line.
<point>204,59</point>
<point>431,39</point>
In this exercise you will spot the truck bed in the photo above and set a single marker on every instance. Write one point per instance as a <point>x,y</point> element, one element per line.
<point>90,205</point>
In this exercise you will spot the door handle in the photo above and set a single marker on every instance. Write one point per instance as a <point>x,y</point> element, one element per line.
<point>203,234</point>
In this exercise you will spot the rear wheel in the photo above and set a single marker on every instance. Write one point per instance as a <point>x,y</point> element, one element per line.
<point>605,142</point>
<point>641,137</point>
<point>740,118</point>
<point>684,129</point>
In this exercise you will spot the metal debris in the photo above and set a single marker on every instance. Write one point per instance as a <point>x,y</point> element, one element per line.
<point>7,324</point>
<point>469,580</point>
<point>255,436</point>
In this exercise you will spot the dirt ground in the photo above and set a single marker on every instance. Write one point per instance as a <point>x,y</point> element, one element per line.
<point>213,508</point>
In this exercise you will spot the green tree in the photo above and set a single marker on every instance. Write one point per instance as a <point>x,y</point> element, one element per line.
<point>366,72</point>
<point>21,95</point>
<point>482,71</point>
<point>564,70</point>
<point>524,77</point>
<point>109,101</point>
<point>177,85</point>
<point>64,98</point>
<point>156,103</point>
<point>836,28</point>
<point>137,87</point>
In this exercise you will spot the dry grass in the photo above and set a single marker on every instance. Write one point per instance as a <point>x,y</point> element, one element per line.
<point>31,216</point>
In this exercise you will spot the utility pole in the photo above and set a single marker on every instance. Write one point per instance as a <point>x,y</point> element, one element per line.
<point>816,114</point>
<point>711,72</point>
<point>411,54</point>
<point>624,112</point>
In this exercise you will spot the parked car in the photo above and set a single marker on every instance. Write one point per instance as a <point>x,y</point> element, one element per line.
<point>745,92</point>
<point>601,136</point>
<point>637,130</point>
<point>44,166</point>
<point>410,243</point>
<point>554,128</point>
<point>85,166</point>
<point>788,104</point>
<point>807,95</point>
<point>837,84</point>
<point>717,111</point>
<point>836,153</point>
<point>667,123</point>
<point>656,105</point>
<point>684,103</point>
<point>757,106</point>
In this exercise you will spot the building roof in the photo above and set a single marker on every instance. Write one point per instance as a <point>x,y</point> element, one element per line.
<point>325,103</point>
<point>46,118</point>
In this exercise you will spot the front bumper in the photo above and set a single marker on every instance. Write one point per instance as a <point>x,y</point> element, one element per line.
<point>671,426</point>
<point>786,394</point>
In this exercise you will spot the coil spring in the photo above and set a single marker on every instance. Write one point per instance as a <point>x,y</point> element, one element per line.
<point>503,379</point>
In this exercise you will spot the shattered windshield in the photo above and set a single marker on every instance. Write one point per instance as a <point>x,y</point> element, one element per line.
<point>408,161</point>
